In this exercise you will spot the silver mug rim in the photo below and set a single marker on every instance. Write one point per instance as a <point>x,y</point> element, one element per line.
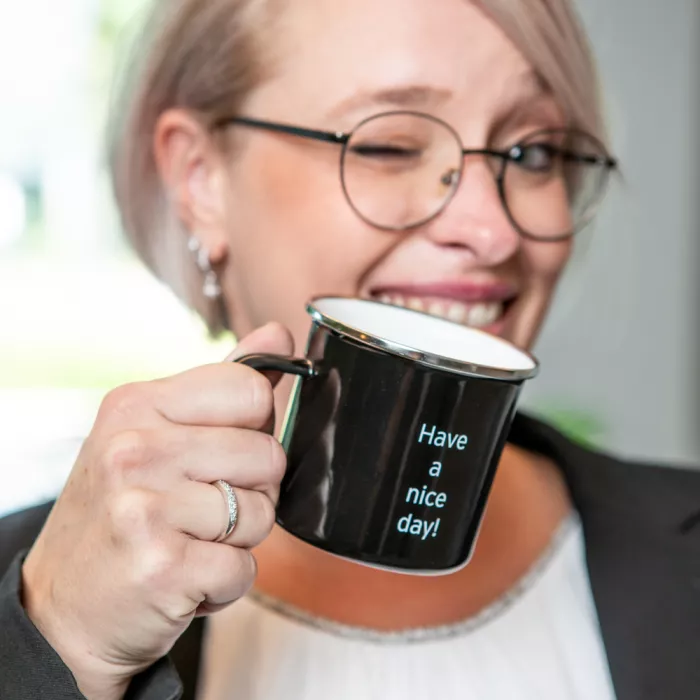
<point>438,362</point>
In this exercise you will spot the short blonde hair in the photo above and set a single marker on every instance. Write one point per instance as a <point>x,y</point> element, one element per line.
<point>207,56</point>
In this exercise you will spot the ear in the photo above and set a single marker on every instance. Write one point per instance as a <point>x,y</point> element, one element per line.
<point>194,177</point>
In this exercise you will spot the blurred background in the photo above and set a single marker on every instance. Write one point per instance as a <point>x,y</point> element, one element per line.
<point>79,315</point>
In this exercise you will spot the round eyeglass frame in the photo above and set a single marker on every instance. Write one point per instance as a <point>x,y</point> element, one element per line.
<point>343,138</point>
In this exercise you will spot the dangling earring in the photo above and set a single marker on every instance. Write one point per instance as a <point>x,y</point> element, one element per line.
<point>211,287</point>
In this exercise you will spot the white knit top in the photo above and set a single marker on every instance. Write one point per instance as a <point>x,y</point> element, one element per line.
<point>539,642</point>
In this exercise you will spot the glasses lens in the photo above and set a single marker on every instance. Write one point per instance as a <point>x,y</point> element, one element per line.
<point>553,182</point>
<point>400,169</point>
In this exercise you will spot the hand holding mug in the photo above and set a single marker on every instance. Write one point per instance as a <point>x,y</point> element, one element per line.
<point>129,554</point>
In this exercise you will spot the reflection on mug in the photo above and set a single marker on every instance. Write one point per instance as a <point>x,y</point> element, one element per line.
<point>310,471</point>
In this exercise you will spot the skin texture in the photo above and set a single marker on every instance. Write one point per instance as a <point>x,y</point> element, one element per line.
<point>126,559</point>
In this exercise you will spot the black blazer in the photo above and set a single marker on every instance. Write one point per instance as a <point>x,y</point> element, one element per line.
<point>642,531</point>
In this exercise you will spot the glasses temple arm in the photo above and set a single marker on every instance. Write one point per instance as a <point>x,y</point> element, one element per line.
<point>316,134</point>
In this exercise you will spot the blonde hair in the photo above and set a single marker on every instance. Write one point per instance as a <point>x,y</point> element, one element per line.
<point>207,55</point>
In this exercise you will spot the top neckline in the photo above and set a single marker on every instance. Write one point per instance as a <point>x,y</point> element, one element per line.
<point>570,527</point>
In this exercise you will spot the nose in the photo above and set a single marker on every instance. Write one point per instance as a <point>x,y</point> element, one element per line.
<point>475,220</point>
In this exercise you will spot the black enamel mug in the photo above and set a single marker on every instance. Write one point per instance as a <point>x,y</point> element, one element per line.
<point>393,433</point>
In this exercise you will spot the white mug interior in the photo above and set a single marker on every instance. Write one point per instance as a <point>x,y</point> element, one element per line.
<point>425,334</point>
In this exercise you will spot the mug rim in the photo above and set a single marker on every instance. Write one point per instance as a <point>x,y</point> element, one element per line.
<point>469,369</point>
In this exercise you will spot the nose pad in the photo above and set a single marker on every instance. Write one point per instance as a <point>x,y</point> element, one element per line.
<point>475,219</point>
<point>450,178</point>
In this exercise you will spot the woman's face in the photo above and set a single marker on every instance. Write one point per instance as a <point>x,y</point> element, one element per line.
<point>287,232</point>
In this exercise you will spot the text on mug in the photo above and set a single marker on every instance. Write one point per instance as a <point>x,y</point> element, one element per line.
<point>439,438</point>
<point>420,497</point>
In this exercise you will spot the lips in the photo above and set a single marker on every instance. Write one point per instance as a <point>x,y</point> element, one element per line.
<point>477,306</point>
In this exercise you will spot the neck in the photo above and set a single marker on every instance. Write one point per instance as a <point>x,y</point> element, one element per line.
<point>528,501</point>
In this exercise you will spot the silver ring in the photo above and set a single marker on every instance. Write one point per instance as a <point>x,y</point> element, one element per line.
<point>232,505</point>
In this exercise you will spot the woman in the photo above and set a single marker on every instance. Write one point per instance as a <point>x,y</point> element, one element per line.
<point>584,583</point>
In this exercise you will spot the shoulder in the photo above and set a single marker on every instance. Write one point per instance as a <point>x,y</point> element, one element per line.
<point>19,530</point>
<point>665,496</point>
<point>604,486</point>
<point>660,498</point>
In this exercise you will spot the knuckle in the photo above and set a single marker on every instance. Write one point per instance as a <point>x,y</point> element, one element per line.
<point>231,572</point>
<point>176,607</point>
<point>126,451</point>
<point>241,567</point>
<point>251,569</point>
<point>277,459</point>
<point>261,398</point>
<point>135,512</point>
<point>267,515</point>
<point>158,568</point>
<point>124,399</point>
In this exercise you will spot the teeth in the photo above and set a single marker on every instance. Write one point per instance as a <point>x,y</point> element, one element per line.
<point>457,313</point>
<point>475,315</point>
<point>493,311</point>
<point>436,309</point>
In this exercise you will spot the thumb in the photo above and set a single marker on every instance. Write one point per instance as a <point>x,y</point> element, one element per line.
<point>270,338</point>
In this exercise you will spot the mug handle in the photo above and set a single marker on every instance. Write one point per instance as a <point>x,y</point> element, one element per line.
<point>264,362</point>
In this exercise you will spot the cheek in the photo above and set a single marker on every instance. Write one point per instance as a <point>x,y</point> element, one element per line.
<point>292,236</point>
<point>543,263</point>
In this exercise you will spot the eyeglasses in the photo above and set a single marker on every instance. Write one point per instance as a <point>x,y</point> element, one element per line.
<point>400,169</point>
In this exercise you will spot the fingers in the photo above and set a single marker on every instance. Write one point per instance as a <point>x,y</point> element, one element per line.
<point>200,510</point>
<point>244,458</point>
<point>216,395</point>
<point>137,486</point>
<point>163,458</point>
<point>271,338</point>
<point>225,394</point>
<point>222,394</point>
<point>217,575</point>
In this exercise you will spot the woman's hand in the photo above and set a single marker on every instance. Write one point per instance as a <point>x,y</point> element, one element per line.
<point>127,557</point>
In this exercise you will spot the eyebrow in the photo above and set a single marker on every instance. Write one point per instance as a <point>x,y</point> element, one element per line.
<point>399,96</point>
<point>528,91</point>
<point>529,85</point>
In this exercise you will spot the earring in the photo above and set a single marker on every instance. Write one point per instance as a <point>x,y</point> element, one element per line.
<point>211,287</point>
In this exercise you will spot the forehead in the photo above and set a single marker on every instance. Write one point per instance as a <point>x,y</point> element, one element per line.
<point>331,54</point>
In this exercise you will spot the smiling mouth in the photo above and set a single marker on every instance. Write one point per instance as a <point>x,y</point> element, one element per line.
<point>484,314</point>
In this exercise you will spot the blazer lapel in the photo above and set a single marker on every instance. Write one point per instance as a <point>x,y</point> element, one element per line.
<point>642,532</point>
<point>647,591</point>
